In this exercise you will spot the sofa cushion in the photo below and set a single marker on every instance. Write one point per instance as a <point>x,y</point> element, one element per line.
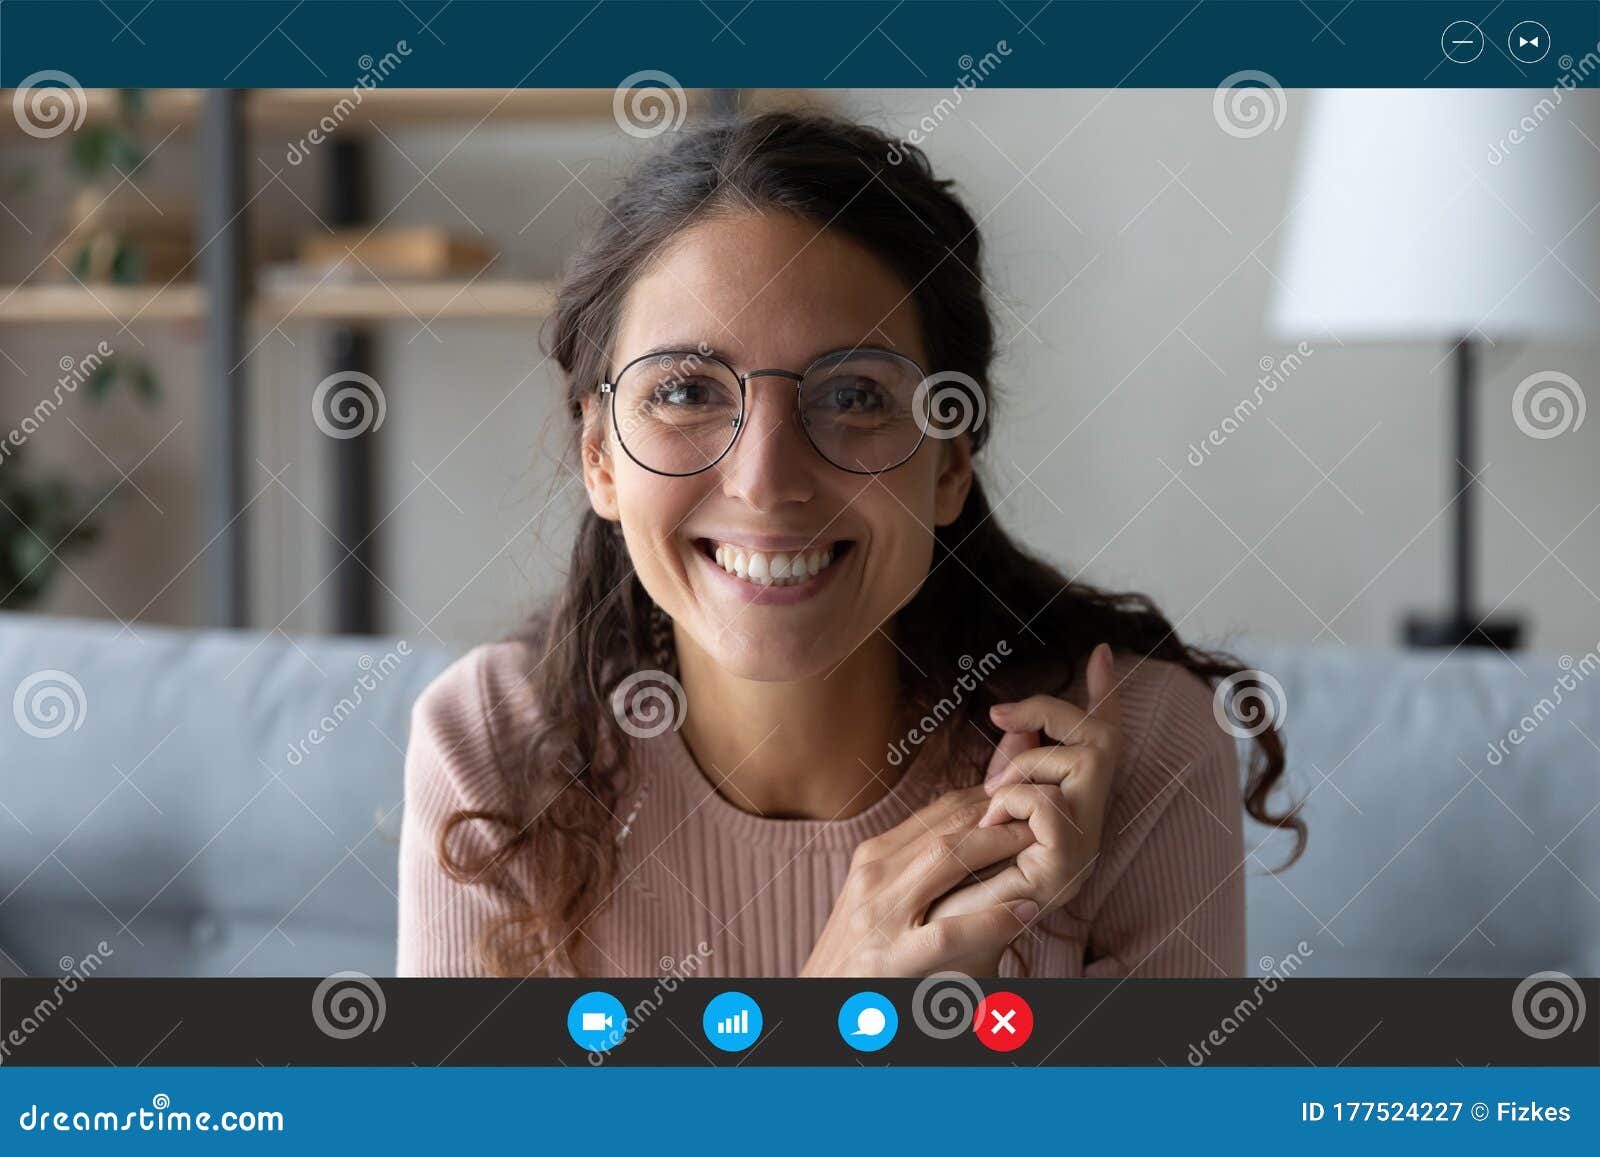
<point>214,803</point>
<point>1433,850</point>
<point>228,804</point>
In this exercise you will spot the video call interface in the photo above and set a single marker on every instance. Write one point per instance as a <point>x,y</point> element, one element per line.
<point>554,551</point>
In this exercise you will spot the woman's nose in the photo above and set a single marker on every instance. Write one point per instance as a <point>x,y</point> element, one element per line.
<point>772,462</point>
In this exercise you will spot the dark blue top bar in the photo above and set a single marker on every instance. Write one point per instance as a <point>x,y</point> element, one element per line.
<point>805,43</point>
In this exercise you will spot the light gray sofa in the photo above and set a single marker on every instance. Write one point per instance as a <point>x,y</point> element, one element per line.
<point>184,816</point>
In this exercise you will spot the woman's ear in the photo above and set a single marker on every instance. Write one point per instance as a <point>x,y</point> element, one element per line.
<point>598,478</point>
<point>954,481</point>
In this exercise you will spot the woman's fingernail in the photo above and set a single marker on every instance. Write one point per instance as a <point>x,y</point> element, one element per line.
<point>1026,911</point>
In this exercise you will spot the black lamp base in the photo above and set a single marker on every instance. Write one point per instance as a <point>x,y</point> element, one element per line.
<point>1458,628</point>
<point>1452,631</point>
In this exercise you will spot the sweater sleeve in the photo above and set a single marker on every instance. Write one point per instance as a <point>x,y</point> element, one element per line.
<point>1170,894</point>
<point>450,766</point>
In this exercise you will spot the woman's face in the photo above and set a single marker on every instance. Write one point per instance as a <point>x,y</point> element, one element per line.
<point>764,291</point>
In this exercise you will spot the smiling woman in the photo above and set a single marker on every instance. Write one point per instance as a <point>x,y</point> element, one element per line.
<point>777,353</point>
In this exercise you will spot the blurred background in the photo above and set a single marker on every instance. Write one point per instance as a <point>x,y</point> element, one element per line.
<point>1137,253</point>
<point>1311,369</point>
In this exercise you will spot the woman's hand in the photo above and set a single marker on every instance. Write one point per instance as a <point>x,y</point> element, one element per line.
<point>1059,790</point>
<point>878,925</point>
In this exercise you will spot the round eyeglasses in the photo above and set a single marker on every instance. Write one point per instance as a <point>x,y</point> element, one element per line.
<point>679,412</point>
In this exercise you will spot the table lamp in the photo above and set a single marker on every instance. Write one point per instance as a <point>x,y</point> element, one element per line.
<point>1453,216</point>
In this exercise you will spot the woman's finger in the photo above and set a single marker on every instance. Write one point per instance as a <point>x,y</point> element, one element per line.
<point>951,811</point>
<point>1057,764</point>
<point>933,945</point>
<point>1011,745</point>
<point>1062,721</point>
<point>1105,699</point>
<point>1009,883</point>
<point>1043,808</point>
<point>1067,841</point>
<point>1100,725</point>
<point>930,867</point>
<point>1061,840</point>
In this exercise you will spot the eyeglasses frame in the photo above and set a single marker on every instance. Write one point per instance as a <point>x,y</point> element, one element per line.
<point>609,388</point>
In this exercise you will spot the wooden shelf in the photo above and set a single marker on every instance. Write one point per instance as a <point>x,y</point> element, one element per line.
<point>405,300</point>
<point>300,108</point>
<point>396,300</point>
<point>74,303</point>
<point>296,107</point>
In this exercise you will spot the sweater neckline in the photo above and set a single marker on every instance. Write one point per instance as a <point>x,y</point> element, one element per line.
<point>916,784</point>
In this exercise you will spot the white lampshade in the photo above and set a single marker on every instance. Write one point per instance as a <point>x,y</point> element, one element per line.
<point>1424,214</point>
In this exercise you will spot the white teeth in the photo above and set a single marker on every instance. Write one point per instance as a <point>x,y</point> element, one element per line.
<point>776,569</point>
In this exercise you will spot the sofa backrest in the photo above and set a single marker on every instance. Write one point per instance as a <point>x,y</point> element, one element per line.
<point>228,804</point>
<point>1454,814</point>
<point>221,803</point>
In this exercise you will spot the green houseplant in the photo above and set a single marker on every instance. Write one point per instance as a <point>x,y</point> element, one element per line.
<point>45,514</point>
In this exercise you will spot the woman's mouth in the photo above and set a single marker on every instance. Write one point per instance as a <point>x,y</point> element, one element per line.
<point>802,570</point>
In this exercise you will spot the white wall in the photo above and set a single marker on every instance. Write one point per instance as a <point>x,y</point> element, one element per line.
<point>1159,338</point>
<point>1101,382</point>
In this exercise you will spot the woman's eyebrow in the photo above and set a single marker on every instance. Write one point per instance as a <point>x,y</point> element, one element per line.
<point>705,349</point>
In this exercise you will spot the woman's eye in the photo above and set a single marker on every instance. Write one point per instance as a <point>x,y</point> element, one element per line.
<point>860,396</point>
<point>687,393</point>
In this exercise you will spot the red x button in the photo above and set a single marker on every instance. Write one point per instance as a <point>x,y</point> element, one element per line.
<point>1003,1021</point>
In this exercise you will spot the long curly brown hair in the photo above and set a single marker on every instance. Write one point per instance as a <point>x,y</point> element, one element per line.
<point>553,850</point>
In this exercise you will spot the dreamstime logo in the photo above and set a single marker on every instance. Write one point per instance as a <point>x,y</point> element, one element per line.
<point>673,973</point>
<point>373,72</point>
<point>944,1003</point>
<point>973,72</point>
<point>373,672</point>
<point>1274,372</point>
<point>74,372</point>
<point>48,111</point>
<point>348,1004</point>
<point>649,103</point>
<point>1273,973</point>
<point>954,398</point>
<point>1548,404</point>
<point>677,369</point>
<point>1249,702</point>
<point>347,404</point>
<point>49,703</point>
<point>1249,103</point>
<point>1548,1004</point>
<point>1573,74</point>
<point>966,683</point>
<point>649,703</point>
<point>73,973</point>
<point>1575,671</point>
<point>155,1119</point>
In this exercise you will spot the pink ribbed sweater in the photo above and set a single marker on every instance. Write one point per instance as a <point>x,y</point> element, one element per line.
<point>740,894</point>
